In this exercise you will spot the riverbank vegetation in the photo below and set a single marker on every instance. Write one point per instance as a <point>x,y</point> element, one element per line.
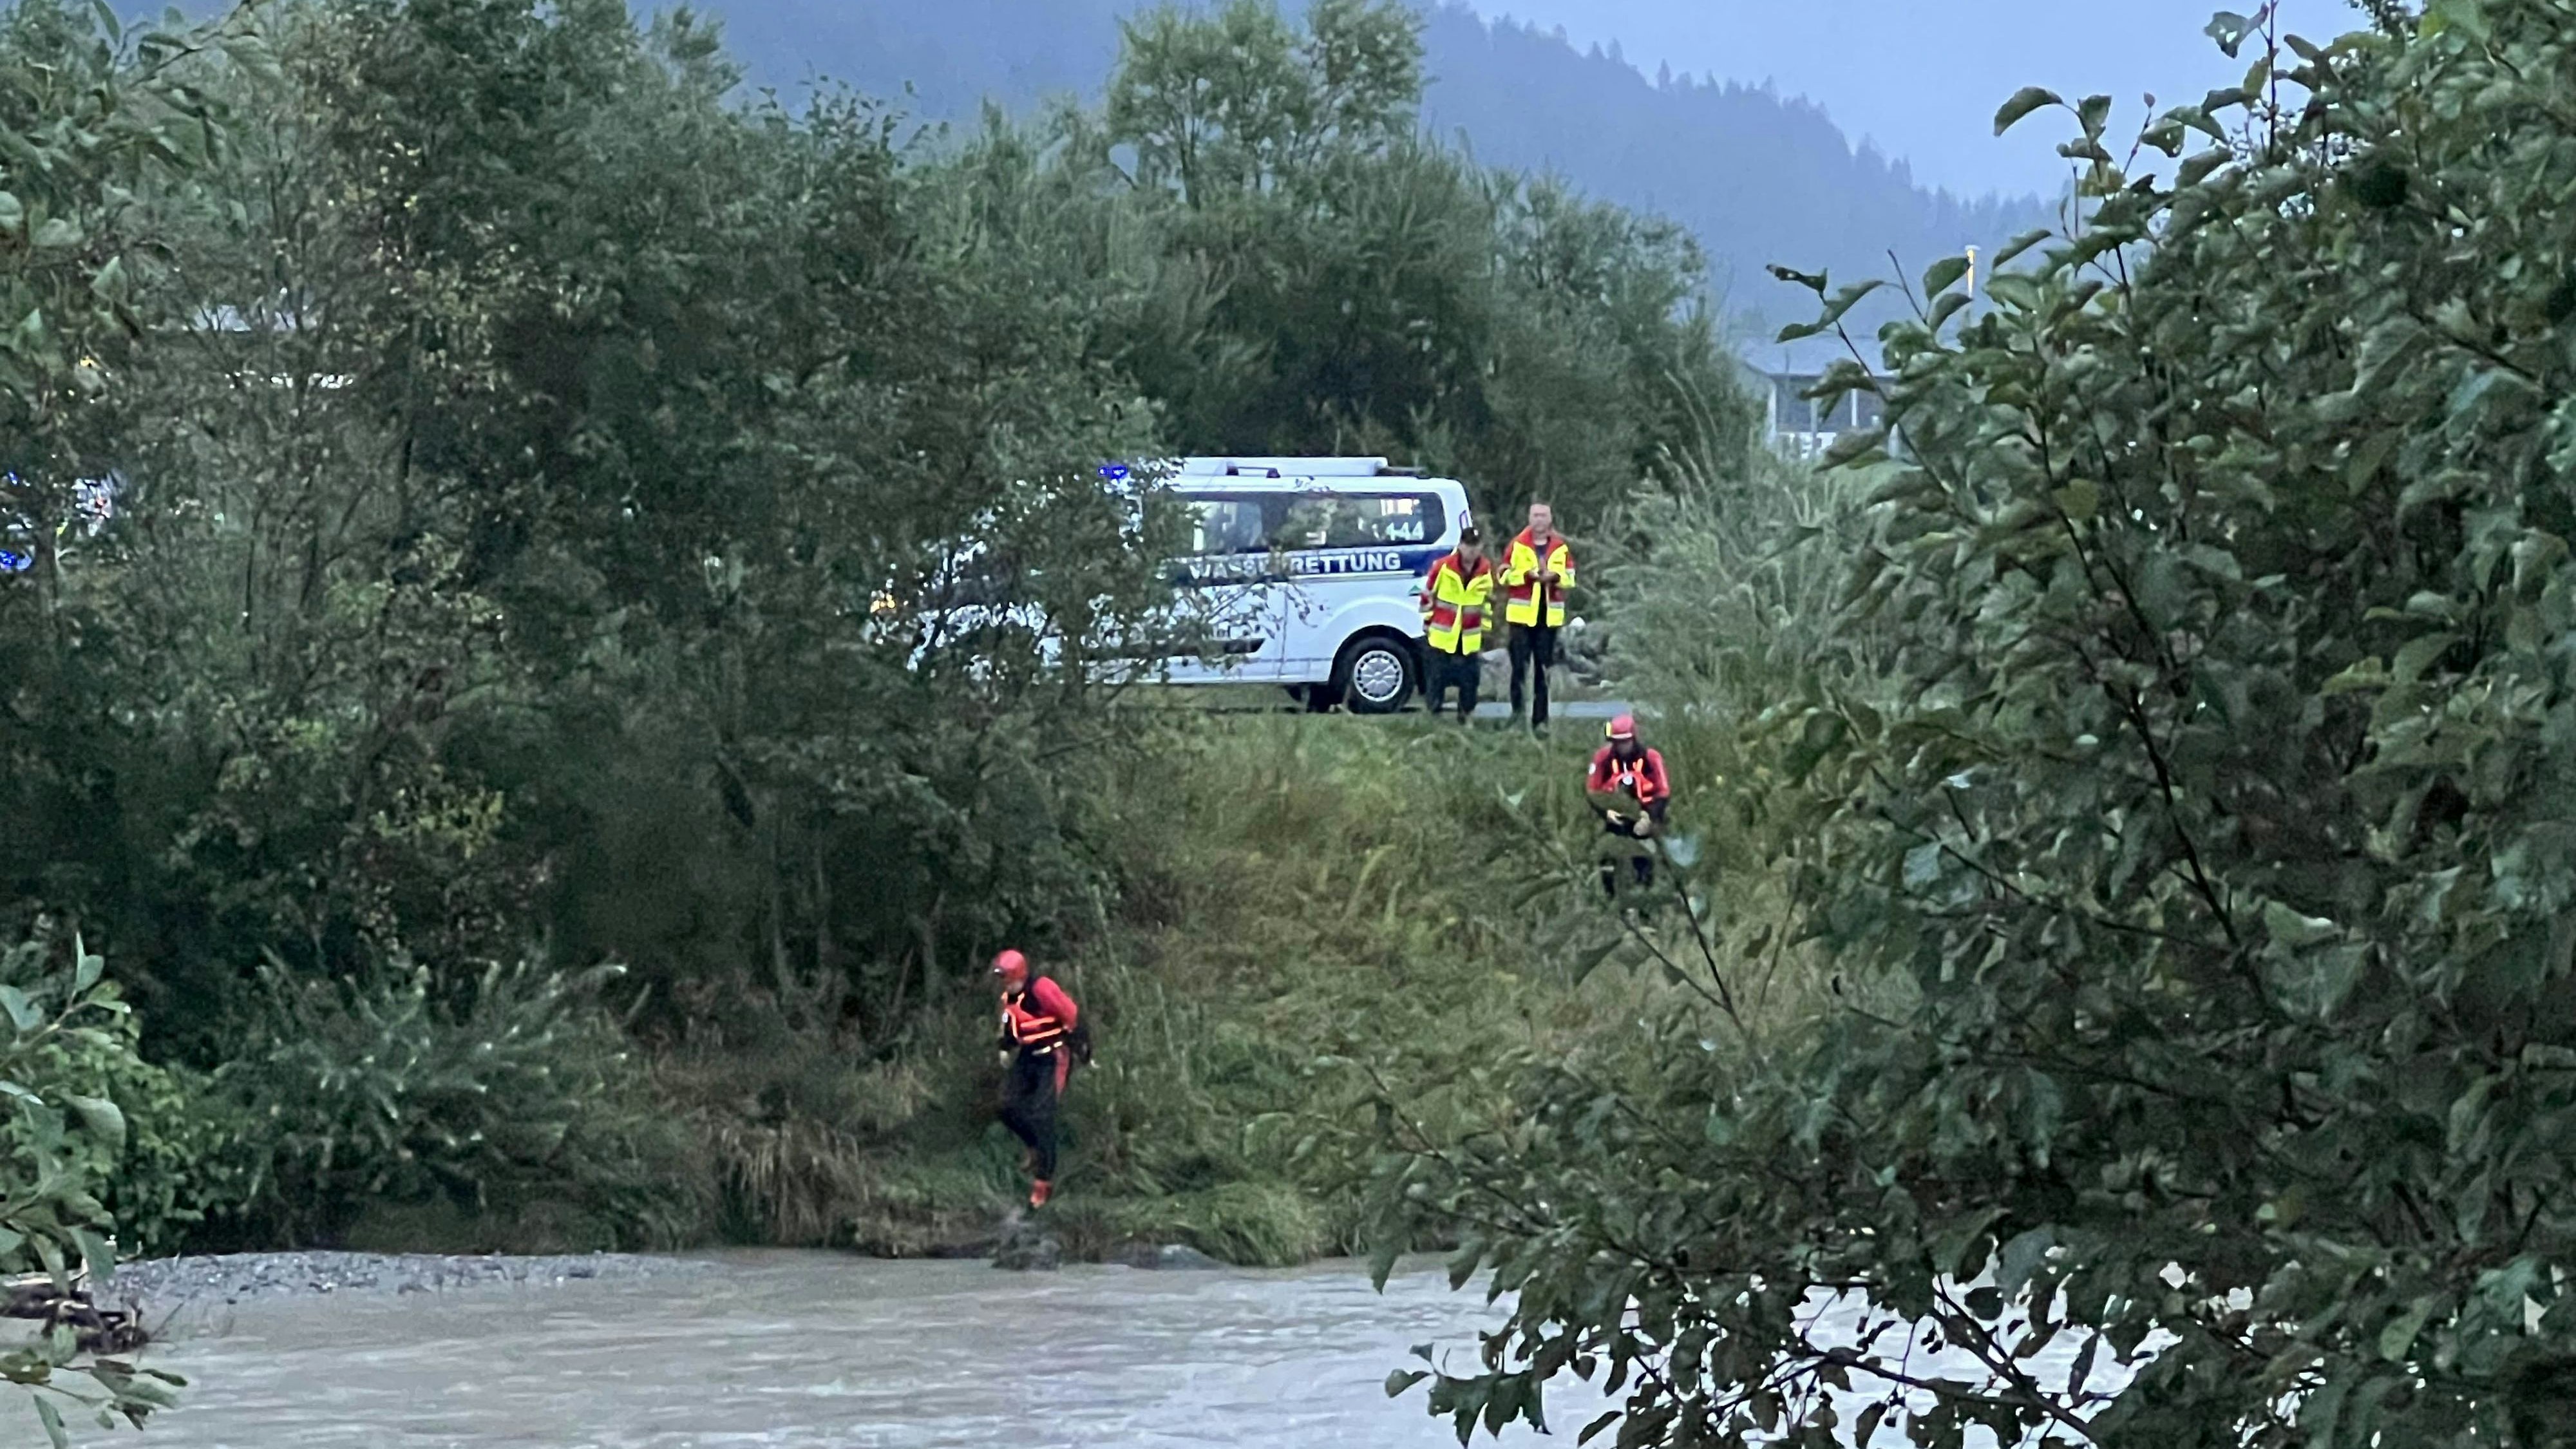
<point>2182,800</point>
<point>473,479</point>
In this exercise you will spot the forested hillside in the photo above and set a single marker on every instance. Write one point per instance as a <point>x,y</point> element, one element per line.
<point>1757,177</point>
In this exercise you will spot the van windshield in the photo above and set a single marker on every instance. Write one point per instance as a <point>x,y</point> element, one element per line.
<point>1350,520</point>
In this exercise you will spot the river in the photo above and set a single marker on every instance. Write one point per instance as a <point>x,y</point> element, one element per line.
<point>785,1350</point>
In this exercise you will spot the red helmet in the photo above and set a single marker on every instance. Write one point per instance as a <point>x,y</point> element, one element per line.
<point>1010,963</point>
<point>1624,727</point>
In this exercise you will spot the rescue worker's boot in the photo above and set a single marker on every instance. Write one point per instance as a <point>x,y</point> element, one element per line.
<point>1645,869</point>
<point>1610,880</point>
<point>1039,1192</point>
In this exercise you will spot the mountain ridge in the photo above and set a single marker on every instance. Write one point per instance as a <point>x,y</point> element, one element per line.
<point>1760,178</point>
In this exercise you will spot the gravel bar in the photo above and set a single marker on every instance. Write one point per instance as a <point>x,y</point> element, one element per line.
<point>163,1284</point>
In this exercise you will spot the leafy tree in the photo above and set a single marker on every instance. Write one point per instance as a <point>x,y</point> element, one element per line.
<point>2205,866</point>
<point>1238,102</point>
<point>1333,282</point>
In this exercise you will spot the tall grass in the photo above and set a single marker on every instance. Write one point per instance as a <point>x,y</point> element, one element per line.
<point>1306,908</point>
<point>1310,915</point>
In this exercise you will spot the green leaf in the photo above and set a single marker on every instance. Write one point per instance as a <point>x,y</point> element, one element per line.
<point>2023,102</point>
<point>2093,112</point>
<point>2079,500</point>
<point>1403,1379</point>
<point>13,214</point>
<point>22,1012</point>
<point>2197,167</point>
<point>1844,300</point>
<point>1382,1258</point>
<point>2229,29</point>
<point>2465,16</point>
<point>2021,1257</point>
<point>53,1422</point>
<point>1944,274</point>
<point>2371,673</point>
<point>57,234</point>
<point>2397,1340</point>
<point>1854,445</point>
<point>1814,283</point>
<point>2421,653</point>
<point>101,1117</point>
<point>2020,244</point>
<point>2293,929</point>
<point>1957,1250</point>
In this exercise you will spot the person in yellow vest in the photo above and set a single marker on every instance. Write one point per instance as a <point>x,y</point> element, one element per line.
<point>1455,597</point>
<point>1537,570</point>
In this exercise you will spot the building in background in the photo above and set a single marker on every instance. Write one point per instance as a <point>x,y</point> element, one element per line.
<point>1799,427</point>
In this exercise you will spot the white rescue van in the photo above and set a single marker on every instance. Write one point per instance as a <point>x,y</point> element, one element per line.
<point>1306,573</point>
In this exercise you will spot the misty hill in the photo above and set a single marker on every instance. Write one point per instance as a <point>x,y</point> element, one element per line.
<point>1759,177</point>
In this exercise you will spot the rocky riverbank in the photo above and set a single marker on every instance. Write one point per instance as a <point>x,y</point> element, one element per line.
<point>163,1285</point>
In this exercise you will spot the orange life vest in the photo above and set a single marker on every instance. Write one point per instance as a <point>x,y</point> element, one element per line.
<point>1029,1026</point>
<point>1642,778</point>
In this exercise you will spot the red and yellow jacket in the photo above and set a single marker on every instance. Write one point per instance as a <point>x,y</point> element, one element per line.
<point>1454,597</point>
<point>1521,568</point>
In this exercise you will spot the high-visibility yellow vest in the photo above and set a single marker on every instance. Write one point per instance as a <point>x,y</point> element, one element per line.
<point>1457,597</point>
<point>1520,577</point>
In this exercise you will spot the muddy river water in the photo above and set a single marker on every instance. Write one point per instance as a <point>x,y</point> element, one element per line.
<point>801,1351</point>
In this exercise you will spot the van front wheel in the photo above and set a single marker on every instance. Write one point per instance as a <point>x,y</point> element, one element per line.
<point>1377,675</point>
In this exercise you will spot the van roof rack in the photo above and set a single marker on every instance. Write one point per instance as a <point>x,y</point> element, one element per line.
<point>1384,471</point>
<point>1246,467</point>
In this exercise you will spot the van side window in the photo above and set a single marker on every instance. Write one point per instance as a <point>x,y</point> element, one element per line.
<point>1220,526</point>
<point>1362,520</point>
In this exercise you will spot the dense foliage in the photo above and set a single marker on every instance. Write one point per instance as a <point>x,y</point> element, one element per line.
<point>492,501</point>
<point>2199,861</point>
<point>75,1166</point>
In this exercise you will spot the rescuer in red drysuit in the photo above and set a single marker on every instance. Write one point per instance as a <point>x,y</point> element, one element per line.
<point>1038,1041</point>
<point>1630,790</point>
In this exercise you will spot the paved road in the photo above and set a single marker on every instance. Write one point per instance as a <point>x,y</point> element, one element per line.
<point>1561,709</point>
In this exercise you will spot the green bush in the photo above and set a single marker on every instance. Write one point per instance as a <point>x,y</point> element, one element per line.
<point>2221,839</point>
<point>797,1118</point>
<point>160,1162</point>
<point>74,1084</point>
<point>513,1104</point>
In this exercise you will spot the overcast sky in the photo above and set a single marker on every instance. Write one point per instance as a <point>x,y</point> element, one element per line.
<point>1922,78</point>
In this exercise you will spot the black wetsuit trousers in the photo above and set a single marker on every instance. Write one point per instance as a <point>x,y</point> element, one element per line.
<point>1028,1108</point>
<point>1462,672</point>
<point>1533,648</point>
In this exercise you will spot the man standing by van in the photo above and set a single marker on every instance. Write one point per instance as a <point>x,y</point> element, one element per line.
<point>1455,596</point>
<point>1537,570</point>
